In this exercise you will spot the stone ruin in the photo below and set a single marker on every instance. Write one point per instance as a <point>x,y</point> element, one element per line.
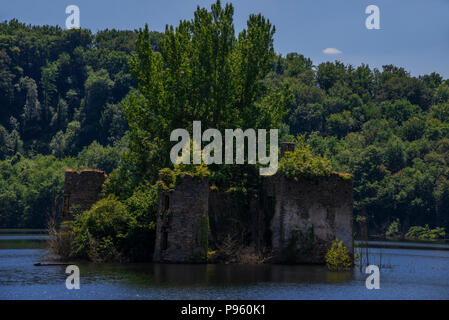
<point>81,189</point>
<point>308,216</point>
<point>182,225</point>
<point>296,220</point>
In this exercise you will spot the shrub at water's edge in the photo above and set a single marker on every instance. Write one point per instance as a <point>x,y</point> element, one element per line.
<point>393,231</point>
<point>425,233</point>
<point>60,240</point>
<point>414,233</point>
<point>338,257</point>
<point>101,233</point>
<point>111,231</point>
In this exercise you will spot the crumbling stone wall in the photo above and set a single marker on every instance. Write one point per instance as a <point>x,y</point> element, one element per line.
<point>298,220</point>
<point>232,214</point>
<point>321,209</point>
<point>82,189</point>
<point>183,224</point>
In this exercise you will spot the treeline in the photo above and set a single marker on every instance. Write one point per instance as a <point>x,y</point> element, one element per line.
<point>31,188</point>
<point>62,90</point>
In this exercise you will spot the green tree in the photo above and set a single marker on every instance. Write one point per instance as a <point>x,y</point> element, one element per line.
<point>204,72</point>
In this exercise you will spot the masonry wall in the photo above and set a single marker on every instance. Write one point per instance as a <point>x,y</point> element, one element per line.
<point>232,214</point>
<point>182,223</point>
<point>324,205</point>
<point>82,189</point>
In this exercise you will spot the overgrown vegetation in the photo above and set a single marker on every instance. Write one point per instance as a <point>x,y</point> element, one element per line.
<point>393,230</point>
<point>338,257</point>
<point>302,163</point>
<point>169,178</point>
<point>110,231</point>
<point>425,233</point>
<point>102,233</point>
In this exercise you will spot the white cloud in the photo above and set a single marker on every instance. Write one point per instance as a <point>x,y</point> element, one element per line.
<point>331,51</point>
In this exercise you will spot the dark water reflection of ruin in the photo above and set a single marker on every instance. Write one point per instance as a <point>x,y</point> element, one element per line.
<point>237,275</point>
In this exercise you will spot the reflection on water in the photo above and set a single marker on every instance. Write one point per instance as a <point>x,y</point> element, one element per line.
<point>224,275</point>
<point>14,241</point>
<point>407,274</point>
<point>404,244</point>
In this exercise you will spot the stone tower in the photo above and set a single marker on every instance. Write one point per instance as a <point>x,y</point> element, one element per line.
<point>82,189</point>
<point>320,208</point>
<point>183,222</point>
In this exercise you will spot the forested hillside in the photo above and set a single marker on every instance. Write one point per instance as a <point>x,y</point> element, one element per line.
<point>61,94</point>
<point>61,90</point>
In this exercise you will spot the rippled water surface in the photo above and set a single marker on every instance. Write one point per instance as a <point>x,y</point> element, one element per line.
<point>405,274</point>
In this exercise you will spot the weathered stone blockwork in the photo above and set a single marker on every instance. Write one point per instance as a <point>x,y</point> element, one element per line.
<point>292,210</point>
<point>182,223</point>
<point>82,189</point>
<point>297,220</point>
<point>245,219</point>
<point>324,205</point>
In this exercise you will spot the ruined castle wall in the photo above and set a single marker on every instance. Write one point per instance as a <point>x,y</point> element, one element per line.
<point>82,189</point>
<point>235,215</point>
<point>182,223</point>
<point>324,204</point>
<point>220,216</point>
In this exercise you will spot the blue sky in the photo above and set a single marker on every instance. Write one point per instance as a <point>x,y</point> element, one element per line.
<point>414,34</point>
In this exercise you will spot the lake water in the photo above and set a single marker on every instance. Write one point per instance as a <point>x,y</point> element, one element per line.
<point>405,274</point>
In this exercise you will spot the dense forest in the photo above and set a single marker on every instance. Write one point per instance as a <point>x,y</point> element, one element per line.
<point>71,98</point>
<point>60,94</point>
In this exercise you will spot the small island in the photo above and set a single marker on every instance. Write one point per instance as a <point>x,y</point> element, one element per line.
<point>290,219</point>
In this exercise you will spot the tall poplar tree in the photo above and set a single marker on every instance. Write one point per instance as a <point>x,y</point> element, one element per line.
<point>203,72</point>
